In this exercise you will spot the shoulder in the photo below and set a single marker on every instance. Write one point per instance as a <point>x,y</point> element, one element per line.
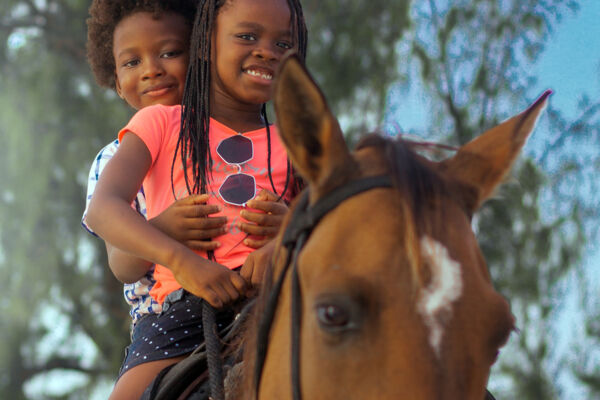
<point>157,111</point>
<point>154,120</point>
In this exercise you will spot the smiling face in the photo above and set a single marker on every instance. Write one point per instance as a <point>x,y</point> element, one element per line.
<point>250,38</point>
<point>151,57</point>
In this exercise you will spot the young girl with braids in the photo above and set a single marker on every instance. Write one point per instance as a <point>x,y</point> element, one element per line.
<point>219,143</point>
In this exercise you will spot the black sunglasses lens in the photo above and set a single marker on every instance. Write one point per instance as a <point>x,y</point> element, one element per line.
<point>238,189</point>
<point>236,149</point>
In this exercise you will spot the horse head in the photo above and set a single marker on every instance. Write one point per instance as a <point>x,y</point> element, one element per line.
<point>388,295</point>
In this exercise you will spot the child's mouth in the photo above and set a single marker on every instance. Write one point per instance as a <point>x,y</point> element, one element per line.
<point>259,74</point>
<point>158,90</point>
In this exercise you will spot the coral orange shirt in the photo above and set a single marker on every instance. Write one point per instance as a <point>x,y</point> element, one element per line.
<point>158,127</point>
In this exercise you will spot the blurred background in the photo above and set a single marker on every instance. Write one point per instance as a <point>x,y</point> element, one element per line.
<point>440,69</point>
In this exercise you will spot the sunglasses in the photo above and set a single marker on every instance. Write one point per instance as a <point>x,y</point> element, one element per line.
<point>238,188</point>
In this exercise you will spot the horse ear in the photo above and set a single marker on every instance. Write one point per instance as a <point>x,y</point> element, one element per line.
<point>310,132</point>
<point>483,162</point>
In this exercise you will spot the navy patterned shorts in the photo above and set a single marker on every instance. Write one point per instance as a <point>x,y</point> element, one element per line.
<point>176,331</point>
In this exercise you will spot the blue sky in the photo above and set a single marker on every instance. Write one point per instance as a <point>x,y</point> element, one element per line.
<point>570,64</point>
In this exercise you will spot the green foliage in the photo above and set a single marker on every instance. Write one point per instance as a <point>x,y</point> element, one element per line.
<point>352,53</point>
<point>54,121</point>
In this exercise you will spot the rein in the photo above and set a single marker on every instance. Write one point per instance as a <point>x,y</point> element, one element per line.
<point>304,219</point>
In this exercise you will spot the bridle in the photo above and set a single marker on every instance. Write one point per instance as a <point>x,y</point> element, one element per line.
<point>304,219</point>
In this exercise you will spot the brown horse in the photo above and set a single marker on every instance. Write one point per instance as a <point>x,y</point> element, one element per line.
<point>379,289</point>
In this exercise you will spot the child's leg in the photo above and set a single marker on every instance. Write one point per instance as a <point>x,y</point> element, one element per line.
<point>161,340</point>
<point>131,384</point>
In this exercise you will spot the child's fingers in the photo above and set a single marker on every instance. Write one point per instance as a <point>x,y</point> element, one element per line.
<point>233,293</point>
<point>256,243</point>
<point>226,294</point>
<point>192,199</point>
<point>239,283</point>
<point>254,267</point>
<point>258,230</point>
<point>246,271</point>
<point>261,219</point>
<point>249,270</point>
<point>210,295</point>
<point>205,223</point>
<point>201,210</point>
<point>197,198</point>
<point>202,245</point>
<point>266,195</point>
<point>222,290</point>
<point>257,276</point>
<point>272,207</point>
<point>203,234</point>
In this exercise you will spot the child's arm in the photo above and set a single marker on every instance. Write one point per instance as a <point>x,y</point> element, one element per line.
<point>124,266</point>
<point>265,223</point>
<point>187,221</point>
<point>257,263</point>
<point>111,217</point>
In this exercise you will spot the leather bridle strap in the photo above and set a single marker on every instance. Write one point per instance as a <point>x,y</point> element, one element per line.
<point>303,221</point>
<point>306,217</point>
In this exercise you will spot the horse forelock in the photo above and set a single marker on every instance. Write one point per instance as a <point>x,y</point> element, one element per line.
<point>420,185</point>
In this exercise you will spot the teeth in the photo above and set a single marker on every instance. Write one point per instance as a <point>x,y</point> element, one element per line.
<point>259,74</point>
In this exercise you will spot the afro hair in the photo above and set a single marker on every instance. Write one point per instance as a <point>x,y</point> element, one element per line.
<point>105,15</point>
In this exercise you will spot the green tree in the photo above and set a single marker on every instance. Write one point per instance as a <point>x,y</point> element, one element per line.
<point>54,119</point>
<point>353,55</point>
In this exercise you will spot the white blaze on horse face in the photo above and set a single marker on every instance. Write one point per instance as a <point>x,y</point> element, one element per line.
<point>435,300</point>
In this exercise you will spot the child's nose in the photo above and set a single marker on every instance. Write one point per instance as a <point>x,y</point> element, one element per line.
<point>153,69</point>
<point>266,52</point>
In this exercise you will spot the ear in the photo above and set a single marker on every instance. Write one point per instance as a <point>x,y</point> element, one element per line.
<point>310,132</point>
<point>483,162</point>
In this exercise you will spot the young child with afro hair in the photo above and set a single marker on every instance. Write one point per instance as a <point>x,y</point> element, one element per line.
<point>140,49</point>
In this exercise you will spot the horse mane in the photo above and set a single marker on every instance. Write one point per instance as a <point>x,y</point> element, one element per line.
<point>415,175</point>
<point>421,186</point>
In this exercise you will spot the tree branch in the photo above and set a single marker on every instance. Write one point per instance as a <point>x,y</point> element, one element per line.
<point>575,126</point>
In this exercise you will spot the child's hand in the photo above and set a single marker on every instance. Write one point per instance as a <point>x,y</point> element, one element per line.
<point>213,282</point>
<point>187,221</point>
<point>264,224</point>
<point>256,264</point>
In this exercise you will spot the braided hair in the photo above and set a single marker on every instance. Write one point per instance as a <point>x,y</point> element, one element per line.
<point>193,142</point>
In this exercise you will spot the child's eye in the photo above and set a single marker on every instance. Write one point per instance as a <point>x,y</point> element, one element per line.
<point>171,54</point>
<point>247,36</point>
<point>285,45</point>
<point>131,63</point>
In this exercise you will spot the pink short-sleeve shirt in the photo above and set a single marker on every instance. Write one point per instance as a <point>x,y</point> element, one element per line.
<point>158,127</point>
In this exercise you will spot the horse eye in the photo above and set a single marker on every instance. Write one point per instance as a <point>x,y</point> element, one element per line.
<point>332,316</point>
